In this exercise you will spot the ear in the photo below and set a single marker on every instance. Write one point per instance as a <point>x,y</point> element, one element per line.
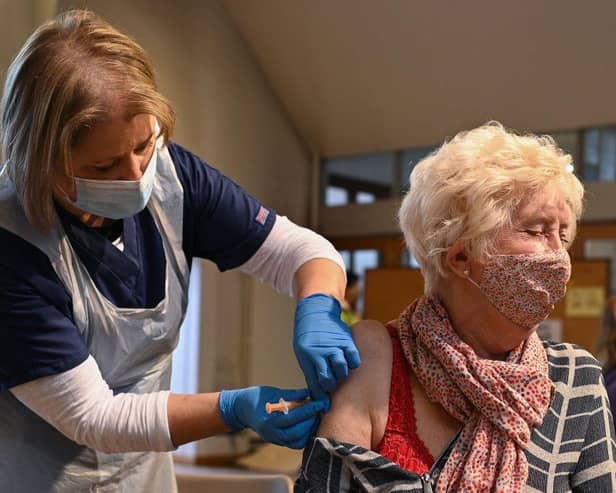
<point>457,260</point>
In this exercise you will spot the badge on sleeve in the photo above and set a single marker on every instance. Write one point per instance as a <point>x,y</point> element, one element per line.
<point>261,216</point>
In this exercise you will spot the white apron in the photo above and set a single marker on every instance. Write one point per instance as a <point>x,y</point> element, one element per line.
<point>131,346</point>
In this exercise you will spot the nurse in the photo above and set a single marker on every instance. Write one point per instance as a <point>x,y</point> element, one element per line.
<point>100,217</point>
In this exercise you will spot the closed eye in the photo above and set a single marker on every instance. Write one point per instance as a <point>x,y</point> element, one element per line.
<point>536,233</point>
<point>143,148</point>
<point>107,167</point>
<point>139,150</point>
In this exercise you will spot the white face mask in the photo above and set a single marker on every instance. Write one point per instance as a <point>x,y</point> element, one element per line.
<point>116,199</point>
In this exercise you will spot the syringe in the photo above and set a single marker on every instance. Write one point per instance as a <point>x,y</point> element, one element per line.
<point>282,405</point>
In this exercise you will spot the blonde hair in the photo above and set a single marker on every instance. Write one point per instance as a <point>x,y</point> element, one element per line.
<point>70,75</point>
<point>469,189</point>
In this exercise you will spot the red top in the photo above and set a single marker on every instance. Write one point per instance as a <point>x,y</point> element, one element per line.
<point>400,443</point>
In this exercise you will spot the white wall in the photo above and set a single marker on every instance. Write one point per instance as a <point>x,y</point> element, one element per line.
<point>17,21</point>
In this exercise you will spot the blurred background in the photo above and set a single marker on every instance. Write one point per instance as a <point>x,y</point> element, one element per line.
<point>321,109</point>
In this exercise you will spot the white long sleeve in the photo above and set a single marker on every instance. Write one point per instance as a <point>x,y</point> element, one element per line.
<point>284,251</point>
<point>80,404</point>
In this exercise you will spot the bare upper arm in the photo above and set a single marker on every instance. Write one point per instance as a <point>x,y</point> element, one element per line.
<point>360,404</point>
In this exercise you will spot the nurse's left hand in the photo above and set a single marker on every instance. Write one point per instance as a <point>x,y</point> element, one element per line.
<point>323,344</point>
<point>245,408</point>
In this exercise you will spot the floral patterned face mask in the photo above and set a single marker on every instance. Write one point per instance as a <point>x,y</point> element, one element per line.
<point>525,287</point>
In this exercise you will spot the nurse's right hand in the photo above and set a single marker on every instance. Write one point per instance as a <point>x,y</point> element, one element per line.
<point>245,408</point>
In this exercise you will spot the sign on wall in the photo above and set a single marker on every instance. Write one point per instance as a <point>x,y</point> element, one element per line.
<point>584,301</point>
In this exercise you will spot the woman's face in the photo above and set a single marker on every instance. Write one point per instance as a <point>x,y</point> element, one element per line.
<point>117,149</point>
<point>542,223</point>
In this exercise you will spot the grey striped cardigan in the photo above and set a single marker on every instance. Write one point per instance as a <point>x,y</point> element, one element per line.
<point>572,450</point>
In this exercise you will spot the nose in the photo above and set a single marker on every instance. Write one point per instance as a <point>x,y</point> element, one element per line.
<point>555,242</point>
<point>133,168</point>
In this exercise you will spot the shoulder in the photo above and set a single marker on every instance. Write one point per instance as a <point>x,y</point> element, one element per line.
<point>198,179</point>
<point>14,248</point>
<point>559,351</point>
<point>564,354</point>
<point>210,193</point>
<point>571,364</point>
<point>361,401</point>
<point>374,344</point>
<point>222,222</point>
<point>25,268</point>
<point>38,336</point>
<point>182,156</point>
<point>373,341</point>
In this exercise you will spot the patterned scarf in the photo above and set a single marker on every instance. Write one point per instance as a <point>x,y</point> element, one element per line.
<point>499,402</point>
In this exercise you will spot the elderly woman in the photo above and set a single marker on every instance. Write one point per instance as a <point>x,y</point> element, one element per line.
<point>459,393</point>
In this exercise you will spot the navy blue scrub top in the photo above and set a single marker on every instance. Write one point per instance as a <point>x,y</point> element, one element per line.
<point>38,336</point>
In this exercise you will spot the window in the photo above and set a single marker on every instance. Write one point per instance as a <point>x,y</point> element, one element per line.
<point>358,262</point>
<point>358,179</point>
<point>569,141</point>
<point>335,196</point>
<point>366,178</point>
<point>408,260</point>
<point>409,158</point>
<point>599,158</point>
<point>364,198</point>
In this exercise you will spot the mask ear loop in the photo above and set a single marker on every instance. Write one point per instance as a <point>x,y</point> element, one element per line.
<point>159,140</point>
<point>65,193</point>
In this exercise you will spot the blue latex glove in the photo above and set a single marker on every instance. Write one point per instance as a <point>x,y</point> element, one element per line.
<point>245,408</point>
<point>323,344</point>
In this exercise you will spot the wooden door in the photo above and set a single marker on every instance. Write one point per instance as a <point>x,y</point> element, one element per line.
<point>580,311</point>
<point>388,291</point>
